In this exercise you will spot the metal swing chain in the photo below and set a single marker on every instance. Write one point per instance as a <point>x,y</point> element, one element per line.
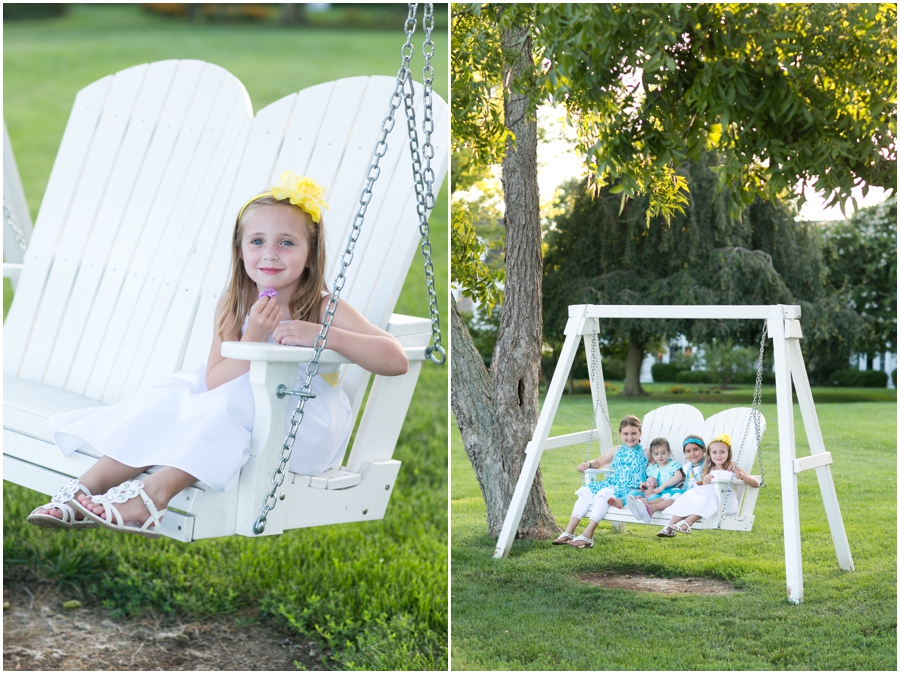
<point>595,348</point>
<point>424,179</point>
<point>312,367</point>
<point>754,414</point>
<point>9,220</point>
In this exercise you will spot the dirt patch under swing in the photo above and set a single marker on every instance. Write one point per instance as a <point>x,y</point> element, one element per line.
<point>39,634</point>
<point>639,583</point>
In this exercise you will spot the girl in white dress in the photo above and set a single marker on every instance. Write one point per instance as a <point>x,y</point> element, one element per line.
<point>197,423</point>
<point>702,501</point>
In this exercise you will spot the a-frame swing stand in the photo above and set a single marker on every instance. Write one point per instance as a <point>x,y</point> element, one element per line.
<point>783,323</point>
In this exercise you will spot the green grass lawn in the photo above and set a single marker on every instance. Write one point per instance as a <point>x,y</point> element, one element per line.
<point>375,593</point>
<point>530,610</point>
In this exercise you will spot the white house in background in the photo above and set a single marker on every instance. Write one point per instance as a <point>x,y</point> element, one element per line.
<point>884,362</point>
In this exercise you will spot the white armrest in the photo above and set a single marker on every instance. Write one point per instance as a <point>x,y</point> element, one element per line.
<point>408,329</point>
<point>12,270</point>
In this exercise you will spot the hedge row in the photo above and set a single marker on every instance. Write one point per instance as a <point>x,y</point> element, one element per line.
<point>864,378</point>
<point>670,372</point>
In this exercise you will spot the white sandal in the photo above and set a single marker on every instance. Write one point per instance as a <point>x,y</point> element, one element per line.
<point>563,538</point>
<point>112,518</point>
<point>682,527</point>
<point>589,541</point>
<point>61,502</point>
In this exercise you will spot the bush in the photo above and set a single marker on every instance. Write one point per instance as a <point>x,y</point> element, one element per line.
<point>864,378</point>
<point>894,376</point>
<point>677,390</point>
<point>614,368</point>
<point>664,371</point>
<point>14,10</point>
<point>694,377</point>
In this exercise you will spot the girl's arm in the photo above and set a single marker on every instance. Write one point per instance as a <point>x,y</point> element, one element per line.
<point>676,478</point>
<point>748,479</point>
<point>264,316</point>
<point>353,336</point>
<point>599,462</point>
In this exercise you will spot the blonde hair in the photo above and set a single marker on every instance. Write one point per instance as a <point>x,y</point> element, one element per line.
<point>241,292</point>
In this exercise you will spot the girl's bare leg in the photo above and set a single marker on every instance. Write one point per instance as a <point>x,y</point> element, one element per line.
<point>160,487</point>
<point>589,530</point>
<point>658,504</point>
<point>573,522</point>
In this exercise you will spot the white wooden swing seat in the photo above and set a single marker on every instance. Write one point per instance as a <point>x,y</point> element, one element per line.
<point>675,423</point>
<point>131,249</point>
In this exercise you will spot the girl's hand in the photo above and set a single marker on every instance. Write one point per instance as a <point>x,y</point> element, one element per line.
<point>264,318</point>
<point>656,491</point>
<point>707,479</point>
<point>297,333</point>
<point>584,466</point>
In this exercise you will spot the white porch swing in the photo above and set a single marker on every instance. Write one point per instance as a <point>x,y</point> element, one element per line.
<point>131,249</point>
<point>675,422</point>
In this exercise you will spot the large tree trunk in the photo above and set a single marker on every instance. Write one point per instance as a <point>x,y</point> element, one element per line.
<point>497,414</point>
<point>633,360</point>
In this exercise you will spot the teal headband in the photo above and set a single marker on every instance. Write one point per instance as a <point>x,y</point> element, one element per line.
<point>692,439</point>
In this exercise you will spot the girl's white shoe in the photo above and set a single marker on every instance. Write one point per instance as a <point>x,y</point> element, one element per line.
<point>61,502</point>
<point>112,518</point>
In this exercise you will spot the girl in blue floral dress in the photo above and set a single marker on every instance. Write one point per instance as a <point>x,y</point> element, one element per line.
<point>629,469</point>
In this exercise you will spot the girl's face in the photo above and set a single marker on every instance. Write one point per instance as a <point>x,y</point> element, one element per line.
<point>718,453</point>
<point>630,435</point>
<point>693,452</point>
<point>275,247</point>
<point>660,455</point>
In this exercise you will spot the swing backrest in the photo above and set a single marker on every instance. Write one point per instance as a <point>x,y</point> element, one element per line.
<point>738,423</point>
<point>672,422</point>
<point>131,247</point>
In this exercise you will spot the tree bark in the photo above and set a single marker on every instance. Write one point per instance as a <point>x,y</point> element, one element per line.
<point>497,412</point>
<point>633,360</point>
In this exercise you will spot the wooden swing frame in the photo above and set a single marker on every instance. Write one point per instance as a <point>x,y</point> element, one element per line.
<point>783,325</point>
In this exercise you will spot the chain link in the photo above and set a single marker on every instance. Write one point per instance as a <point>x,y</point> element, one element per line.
<point>755,416</point>
<point>9,220</point>
<point>595,386</point>
<point>312,367</point>
<point>424,177</point>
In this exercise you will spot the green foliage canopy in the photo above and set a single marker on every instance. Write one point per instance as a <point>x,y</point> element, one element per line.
<point>787,94</point>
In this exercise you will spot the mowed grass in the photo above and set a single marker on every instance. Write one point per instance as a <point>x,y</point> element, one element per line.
<point>531,611</point>
<point>374,593</point>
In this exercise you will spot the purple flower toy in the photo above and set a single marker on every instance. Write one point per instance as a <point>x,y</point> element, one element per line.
<point>268,292</point>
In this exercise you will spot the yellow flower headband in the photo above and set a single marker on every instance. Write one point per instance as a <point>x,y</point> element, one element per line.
<point>302,191</point>
<point>722,438</point>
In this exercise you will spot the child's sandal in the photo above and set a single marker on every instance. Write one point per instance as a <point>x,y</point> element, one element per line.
<point>582,542</point>
<point>564,538</point>
<point>41,516</point>
<point>666,532</point>
<point>683,527</point>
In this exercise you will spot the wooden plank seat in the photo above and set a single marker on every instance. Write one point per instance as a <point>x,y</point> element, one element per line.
<point>675,423</point>
<point>131,249</point>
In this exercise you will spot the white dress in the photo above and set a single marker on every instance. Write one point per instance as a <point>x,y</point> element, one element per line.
<point>703,500</point>
<point>178,422</point>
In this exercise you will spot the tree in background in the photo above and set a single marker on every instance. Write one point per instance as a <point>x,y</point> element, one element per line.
<point>861,254</point>
<point>788,95</point>
<point>597,254</point>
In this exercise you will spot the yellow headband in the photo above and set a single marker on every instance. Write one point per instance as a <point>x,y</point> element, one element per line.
<point>302,191</point>
<point>722,438</point>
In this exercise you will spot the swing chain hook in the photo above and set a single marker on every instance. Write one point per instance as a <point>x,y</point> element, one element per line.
<point>312,367</point>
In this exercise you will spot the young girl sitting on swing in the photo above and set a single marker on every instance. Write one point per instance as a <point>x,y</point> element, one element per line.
<point>694,459</point>
<point>702,501</point>
<point>629,464</point>
<point>197,423</point>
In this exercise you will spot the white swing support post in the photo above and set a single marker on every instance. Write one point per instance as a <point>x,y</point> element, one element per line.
<point>783,323</point>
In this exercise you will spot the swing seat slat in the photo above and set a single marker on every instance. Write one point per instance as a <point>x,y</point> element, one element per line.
<point>131,250</point>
